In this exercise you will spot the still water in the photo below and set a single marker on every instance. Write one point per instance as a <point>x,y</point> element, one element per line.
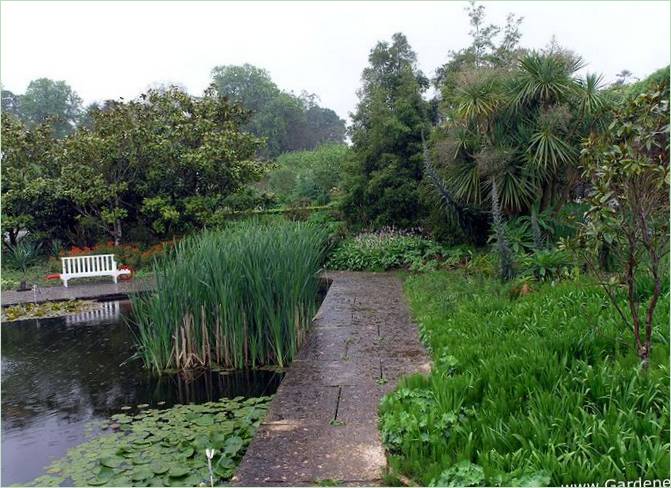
<point>59,374</point>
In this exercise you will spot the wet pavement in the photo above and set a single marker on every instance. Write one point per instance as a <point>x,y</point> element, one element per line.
<point>99,290</point>
<point>322,423</point>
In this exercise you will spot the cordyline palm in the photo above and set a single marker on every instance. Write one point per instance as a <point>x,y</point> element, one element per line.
<point>532,119</point>
<point>481,121</point>
<point>483,167</point>
<point>554,109</point>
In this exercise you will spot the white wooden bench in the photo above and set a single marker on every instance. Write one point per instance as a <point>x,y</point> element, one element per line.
<point>88,266</point>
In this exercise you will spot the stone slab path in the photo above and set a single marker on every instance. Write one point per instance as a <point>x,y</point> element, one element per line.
<point>98,290</point>
<point>322,422</point>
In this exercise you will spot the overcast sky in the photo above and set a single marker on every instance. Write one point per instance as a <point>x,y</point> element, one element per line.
<point>112,49</point>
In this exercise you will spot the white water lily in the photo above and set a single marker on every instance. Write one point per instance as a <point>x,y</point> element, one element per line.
<point>210,454</point>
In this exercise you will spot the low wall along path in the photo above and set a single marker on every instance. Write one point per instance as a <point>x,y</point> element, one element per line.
<point>322,423</point>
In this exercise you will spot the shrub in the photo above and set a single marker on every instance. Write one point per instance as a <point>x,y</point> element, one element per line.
<point>385,249</point>
<point>129,254</point>
<point>548,264</point>
<point>542,389</point>
<point>315,176</point>
<point>23,254</point>
<point>239,297</point>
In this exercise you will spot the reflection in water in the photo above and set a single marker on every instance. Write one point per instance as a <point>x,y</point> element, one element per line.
<point>58,374</point>
<point>103,311</point>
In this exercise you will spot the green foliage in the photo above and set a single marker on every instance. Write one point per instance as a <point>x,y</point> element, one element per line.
<point>314,176</point>
<point>163,447</point>
<point>514,122</point>
<point>23,254</point>
<point>29,197</point>
<point>628,167</point>
<point>240,297</point>
<point>659,77</point>
<point>285,121</point>
<point>386,167</point>
<point>542,389</point>
<point>186,153</point>
<point>548,264</point>
<point>383,250</point>
<point>45,100</point>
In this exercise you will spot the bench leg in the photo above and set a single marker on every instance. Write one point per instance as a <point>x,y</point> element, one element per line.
<point>114,277</point>
<point>65,283</point>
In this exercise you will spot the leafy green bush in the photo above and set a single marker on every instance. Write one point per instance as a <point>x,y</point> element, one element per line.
<point>243,296</point>
<point>548,264</point>
<point>545,388</point>
<point>314,176</point>
<point>385,249</point>
<point>22,255</point>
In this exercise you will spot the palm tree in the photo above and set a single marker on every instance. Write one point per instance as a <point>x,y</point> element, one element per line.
<point>513,135</point>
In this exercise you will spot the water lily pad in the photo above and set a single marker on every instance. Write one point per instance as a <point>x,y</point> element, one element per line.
<point>97,481</point>
<point>141,473</point>
<point>139,460</point>
<point>178,472</point>
<point>111,462</point>
<point>233,445</point>
<point>159,467</point>
<point>188,452</point>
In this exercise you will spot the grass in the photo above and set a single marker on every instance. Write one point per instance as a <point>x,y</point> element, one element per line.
<point>544,388</point>
<point>239,297</point>
<point>36,274</point>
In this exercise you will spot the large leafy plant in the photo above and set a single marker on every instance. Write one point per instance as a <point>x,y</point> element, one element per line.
<point>628,167</point>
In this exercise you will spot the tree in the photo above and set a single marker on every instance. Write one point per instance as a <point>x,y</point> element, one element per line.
<point>536,113</point>
<point>28,198</point>
<point>628,168</point>
<point>47,99</point>
<point>484,50</point>
<point>386,134</point>
<point>287,122</point>
<point>158,158</point>
<point>10,103</point>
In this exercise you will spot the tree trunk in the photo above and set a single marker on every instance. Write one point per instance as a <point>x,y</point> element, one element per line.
<point>505,254</point>
<point>13,236</point>
<point>535,228</point>
<point>117,232</point>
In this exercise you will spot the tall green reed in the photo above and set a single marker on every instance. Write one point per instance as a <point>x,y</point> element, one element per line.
<point>239,297</point>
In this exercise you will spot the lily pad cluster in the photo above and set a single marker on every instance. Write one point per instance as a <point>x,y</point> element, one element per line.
<point>46,309</point>
<point>163,447</point>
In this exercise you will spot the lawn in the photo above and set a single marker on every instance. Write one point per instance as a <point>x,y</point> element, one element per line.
<point>542,388</point>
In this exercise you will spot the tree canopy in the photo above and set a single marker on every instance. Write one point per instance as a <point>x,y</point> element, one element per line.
<point>386,133</point>
<point>165,159</point>
<point>286,121</point>
<point>45,100</point>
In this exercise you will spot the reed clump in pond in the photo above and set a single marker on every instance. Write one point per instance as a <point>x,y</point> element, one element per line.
<point>239,297</point>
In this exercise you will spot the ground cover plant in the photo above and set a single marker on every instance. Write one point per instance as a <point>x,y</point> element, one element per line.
<point>541,387</point>
<point>163,447</point>
<point>385,249</point>
<point>239,297</point>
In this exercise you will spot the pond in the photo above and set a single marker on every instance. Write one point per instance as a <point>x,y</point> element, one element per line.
<point>60,374</point>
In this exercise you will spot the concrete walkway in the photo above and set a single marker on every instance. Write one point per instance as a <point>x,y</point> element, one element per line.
<point>84,291</point>
<point>322,423</point>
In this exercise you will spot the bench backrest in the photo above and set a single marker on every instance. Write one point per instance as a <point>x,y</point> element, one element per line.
<point>99,263</point>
